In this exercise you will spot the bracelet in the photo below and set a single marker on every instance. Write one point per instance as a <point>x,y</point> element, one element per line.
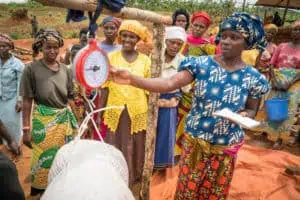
<point>25,128</point>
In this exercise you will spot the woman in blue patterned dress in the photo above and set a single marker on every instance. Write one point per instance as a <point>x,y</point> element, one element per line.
<point>211,143</point>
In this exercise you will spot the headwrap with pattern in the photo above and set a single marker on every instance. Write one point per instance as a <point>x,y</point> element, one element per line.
<point>111,19</point>
<point>43,36</point>
<point>6,39</point>
<point>249,25</point>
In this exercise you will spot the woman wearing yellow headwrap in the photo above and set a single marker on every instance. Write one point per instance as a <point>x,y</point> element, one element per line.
<point>127,128</point>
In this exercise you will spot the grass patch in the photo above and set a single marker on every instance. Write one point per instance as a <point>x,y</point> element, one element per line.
<point>29,4</point>
<point>15,36</point>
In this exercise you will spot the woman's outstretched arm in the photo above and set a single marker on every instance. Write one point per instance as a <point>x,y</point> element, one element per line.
<point>161,85</point>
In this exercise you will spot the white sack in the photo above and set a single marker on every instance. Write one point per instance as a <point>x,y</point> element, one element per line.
<point>88,170</point>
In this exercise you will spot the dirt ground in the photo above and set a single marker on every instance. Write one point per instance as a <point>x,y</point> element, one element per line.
<point>259,174</point>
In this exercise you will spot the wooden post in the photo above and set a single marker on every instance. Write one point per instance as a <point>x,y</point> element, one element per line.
<point>125,13</point>
<point>157,55</point>
<point>285,10</point>
<point>265,15</point>
<point>244,3</point>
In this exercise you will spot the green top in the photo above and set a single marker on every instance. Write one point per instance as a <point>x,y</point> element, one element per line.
<point>47,87</point>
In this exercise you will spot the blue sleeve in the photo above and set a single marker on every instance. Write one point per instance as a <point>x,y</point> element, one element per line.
<point>259,86</point>
<point>190,64</point>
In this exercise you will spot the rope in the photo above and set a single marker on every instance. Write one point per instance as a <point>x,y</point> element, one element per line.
<point>93,19</point>
<point>83,125</point>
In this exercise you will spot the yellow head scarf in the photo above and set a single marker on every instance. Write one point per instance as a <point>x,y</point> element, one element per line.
<point>136,28</point>
<point>269,27</point>
<point>214,31</point>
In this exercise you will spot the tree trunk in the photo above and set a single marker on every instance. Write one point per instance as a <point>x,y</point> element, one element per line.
<point>126,13</point>
<point>157,55</point>
<point>285,11</point>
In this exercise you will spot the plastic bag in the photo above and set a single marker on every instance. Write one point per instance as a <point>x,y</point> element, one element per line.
<point>90,170</point>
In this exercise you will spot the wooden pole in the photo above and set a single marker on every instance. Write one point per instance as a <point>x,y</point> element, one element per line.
<point>265,15</point>
<point>244,3</point>
<point>157,55</point>
<point>285,10</point>
<point>125,13</point>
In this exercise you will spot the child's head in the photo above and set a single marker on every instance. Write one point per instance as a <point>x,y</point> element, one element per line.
<point>74,50</point>
<point>83,36</point>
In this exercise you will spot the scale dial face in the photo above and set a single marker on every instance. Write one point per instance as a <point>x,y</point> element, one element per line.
<point>95,69</point>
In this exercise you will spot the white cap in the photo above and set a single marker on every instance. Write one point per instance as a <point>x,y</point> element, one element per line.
<point>175,32</point>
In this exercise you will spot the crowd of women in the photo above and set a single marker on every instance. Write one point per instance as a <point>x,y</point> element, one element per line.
<point>201,73</point>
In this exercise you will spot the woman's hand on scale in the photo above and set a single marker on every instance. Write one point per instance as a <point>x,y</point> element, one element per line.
<point>120,76</point>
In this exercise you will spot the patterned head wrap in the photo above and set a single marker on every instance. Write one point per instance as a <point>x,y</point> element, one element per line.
<point>6,39</point>
<point>111,19</point>
<point>201,16</point>
<point>271,27</point>
<point>250,26</point>
<point>181,12</point>
<point>43,36</point>
<point>136,28</point>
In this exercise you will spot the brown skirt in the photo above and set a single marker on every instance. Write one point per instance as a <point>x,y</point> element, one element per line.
<point>131,145</point>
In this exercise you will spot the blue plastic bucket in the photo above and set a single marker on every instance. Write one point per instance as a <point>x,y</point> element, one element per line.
<point>277,109</point>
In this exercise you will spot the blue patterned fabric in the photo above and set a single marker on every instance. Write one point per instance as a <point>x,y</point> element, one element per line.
<point>166,133</point>
<point>249,25</point>
<point>215,89</point>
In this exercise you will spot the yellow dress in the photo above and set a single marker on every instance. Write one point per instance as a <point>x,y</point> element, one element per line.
<point>135,99</point>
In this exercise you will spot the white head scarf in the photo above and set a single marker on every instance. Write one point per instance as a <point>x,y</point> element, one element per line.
<point>175,32</point>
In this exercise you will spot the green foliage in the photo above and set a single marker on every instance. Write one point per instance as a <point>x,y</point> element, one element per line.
<point>213,8</point>
<point>29,4</point>
<point>218,10</point>
<point>15,36</point>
